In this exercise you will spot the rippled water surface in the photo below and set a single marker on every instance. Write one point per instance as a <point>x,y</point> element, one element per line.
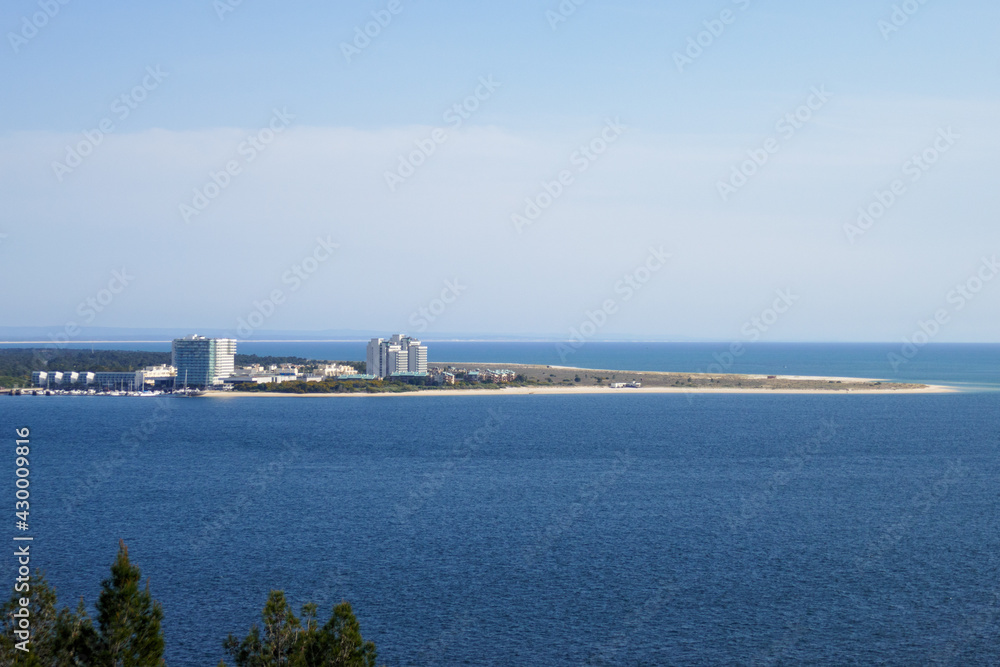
<point>511,530</point>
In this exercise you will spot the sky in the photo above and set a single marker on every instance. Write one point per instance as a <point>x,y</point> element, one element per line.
<point>733,170</point>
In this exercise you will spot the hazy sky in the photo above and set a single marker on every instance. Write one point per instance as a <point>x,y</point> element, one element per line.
<point>674,169</point>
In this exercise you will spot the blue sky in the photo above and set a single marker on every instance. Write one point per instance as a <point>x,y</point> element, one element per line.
<point>926,84</point>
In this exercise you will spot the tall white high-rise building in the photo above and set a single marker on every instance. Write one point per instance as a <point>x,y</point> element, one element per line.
<point>203,362</point>
<point>398,355</point>
<point>373,361</point>
<point>417,360</point>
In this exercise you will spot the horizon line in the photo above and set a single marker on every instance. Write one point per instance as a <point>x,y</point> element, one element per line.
<point>507,340</point>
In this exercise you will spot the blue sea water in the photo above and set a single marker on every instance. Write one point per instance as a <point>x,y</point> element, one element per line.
<point>552,530</point>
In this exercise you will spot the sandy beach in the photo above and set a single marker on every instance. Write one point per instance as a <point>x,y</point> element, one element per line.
<point>567,380</point>
<point>523,391</point>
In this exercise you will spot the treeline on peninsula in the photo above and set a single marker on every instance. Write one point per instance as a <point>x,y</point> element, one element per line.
<point>388,386</point>
<point>17,364</point>
<point>333,386</point>
<point>34,632</point>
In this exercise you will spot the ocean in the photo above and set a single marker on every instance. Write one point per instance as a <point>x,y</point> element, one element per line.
<point>549,529</point>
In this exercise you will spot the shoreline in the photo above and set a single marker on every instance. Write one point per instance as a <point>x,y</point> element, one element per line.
<point>590,391</point>
<point>568,380</point>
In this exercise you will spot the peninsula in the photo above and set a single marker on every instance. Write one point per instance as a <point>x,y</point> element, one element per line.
<point>476,379</point>
<point>398,366</point>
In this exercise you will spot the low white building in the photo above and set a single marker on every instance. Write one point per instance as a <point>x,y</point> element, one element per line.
<point>48,378</point>
<point>61,378</point>
<point>163,375</point>
<point>336,370</point>
<point>119,380</point>
<point>260,378</point>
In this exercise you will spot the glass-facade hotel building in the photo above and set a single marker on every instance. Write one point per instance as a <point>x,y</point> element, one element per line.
<point>203,362</point>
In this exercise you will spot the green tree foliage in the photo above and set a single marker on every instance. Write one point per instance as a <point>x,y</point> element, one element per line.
<point>285,641</point>
<point>128,618</point>
<point>17,364</point>
<point>59,636</point>
<point>265,360</point>
<point>330,386</point>
<point>128,630</point>
<point>20,362</point>
<point>339,642</point>
<point>9,381</point>
<point>275,644</point>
